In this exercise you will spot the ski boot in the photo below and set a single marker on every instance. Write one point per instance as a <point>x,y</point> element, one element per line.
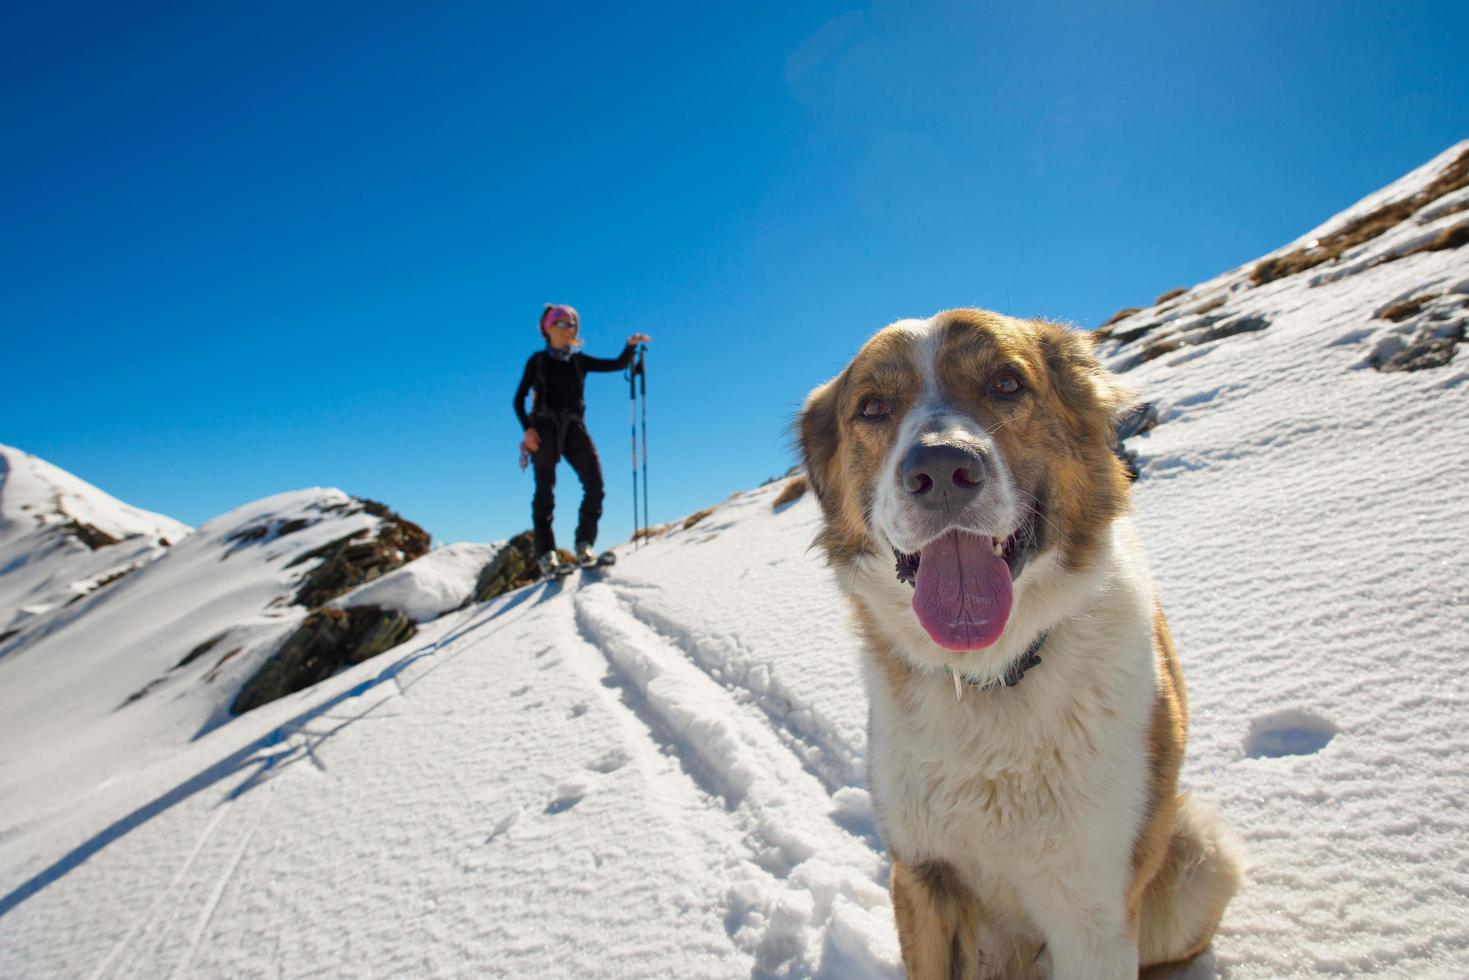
<point>551,566</point>
<point>587,558</point>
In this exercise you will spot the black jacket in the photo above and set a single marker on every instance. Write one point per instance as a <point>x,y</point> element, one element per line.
<point>558,384</point>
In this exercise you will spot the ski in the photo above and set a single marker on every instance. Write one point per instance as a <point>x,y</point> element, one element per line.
<point>604,560</point>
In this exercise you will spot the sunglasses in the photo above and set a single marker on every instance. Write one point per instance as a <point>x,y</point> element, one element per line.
<point>564,325</point>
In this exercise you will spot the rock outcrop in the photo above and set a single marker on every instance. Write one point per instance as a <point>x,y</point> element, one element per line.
<point>350,561</point>
<point>512,568</point>
<point>328,640</point>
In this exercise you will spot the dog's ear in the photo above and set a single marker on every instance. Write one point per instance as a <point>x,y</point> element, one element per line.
<point>819,438</point>
<point>1093,397</point>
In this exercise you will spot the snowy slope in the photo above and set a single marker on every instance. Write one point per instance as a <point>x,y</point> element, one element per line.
<point>62,539</point>
<point>548,737</point>
<point>1307,520</point>
<point>428,587</point>
<point>660,771</point>
<point>135,670</point>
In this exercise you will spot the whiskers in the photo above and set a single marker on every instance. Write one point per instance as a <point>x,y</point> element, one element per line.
<point>856,564</point>
<point>1000,425</point>
<point>1039,511</point>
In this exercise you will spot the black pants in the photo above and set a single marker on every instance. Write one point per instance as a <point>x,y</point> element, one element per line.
<point>567,437</point>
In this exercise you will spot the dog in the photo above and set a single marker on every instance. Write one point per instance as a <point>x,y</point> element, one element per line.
<point>1027,715</point>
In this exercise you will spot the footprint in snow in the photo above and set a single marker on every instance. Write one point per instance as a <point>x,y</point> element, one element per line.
<point>519,691</point>
<point>505,823</point>
<point>568,794</point>
<point>608,761</point>
<point>1289,732</point>
<point>577,710</point>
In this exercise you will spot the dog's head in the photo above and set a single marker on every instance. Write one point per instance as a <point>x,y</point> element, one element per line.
<point>969,448</point>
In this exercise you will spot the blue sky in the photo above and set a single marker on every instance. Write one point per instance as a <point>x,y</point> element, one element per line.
<point>248,248</point>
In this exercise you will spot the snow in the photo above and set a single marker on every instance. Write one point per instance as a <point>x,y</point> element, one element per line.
<point>427,587</point>
<point>660,770</point>
<point>105,677</point>
<point>35,491</point>
<point>43,568</point>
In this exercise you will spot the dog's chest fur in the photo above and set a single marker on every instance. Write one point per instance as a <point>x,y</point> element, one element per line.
<point>1014,785</point>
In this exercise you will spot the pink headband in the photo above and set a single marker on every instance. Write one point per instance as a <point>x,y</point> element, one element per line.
<point>554,312</point>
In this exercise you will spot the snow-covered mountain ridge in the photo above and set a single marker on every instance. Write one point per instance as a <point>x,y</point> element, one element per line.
<point>138,638</point>
<point>661,770</point>
<point>62,539</point>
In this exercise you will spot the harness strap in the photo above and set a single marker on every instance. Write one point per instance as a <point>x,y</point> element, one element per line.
<point>561,419</point>
<point>538,408</point>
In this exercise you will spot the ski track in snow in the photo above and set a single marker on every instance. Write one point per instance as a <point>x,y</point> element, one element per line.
<point>735,753</point>
<point>211,905</point>
<point>750,805</point>
<point>765,789</point>
<point>151,916</point>
<point>820,749</point>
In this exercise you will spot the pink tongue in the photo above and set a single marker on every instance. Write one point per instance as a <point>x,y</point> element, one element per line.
<point>962,596</point>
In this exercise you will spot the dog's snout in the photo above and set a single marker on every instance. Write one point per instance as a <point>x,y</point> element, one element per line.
<point>943,475</point>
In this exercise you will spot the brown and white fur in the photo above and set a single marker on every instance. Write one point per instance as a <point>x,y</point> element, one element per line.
<point>1037,829</point>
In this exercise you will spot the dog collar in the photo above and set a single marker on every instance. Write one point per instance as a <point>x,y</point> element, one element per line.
<point>1010,678</point>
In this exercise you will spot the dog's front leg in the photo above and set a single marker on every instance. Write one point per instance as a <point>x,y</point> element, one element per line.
<point>937,921</point>
<point>1087,937</point>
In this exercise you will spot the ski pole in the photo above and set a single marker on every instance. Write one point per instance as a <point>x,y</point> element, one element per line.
<point>643,391</point>
<point>632,408</point>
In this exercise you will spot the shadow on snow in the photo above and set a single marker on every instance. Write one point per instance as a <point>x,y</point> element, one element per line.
<point>262,754</point>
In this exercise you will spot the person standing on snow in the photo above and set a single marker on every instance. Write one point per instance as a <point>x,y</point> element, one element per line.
<point>555,428</point>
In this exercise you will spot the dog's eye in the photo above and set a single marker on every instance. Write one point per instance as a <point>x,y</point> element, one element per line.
<point>1006,383</point>
<point>874,408</point>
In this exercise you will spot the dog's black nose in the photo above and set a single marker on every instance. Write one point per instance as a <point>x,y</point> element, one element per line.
<point>944,475</point>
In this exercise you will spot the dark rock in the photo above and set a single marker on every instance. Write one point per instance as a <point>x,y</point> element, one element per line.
<point>1127,364</point>
<point>88,535</point>
<point>1136,420</point>
<point>251,534</point>
<point>325,642</point>
<point>1105,330</point>
<point>1422,355</point>
<point>213,672</point>
<point>357,558</point>
<point>1454,237</point>
<point>696,517</point>
<point>1163,345</point>
<point>1401,310</point>
<point>1366,227</point>
<point>323,551</point>
<point>793,491</point>
<point>1128,336</point>
<point>513,567</point>
<point>139,694</point>
<point>199,651</point>
<point>1237,325</point>
<point>103,582</point>
<point>268,531</point>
